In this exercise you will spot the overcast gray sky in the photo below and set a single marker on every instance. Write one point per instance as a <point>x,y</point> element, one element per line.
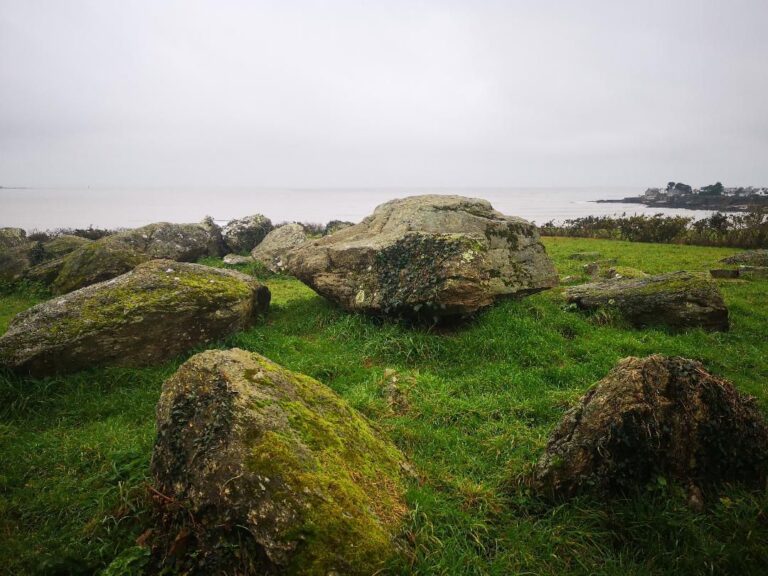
<point>389,93</point>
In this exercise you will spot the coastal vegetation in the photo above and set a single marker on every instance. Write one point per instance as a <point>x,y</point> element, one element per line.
<point>740,230</point>
<point>470,406</point>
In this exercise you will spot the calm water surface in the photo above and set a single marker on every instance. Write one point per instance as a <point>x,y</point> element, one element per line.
<point>46,208</point>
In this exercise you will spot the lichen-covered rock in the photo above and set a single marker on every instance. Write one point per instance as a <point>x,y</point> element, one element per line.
<point>679,300</point>
<point>60,246</point>
<point>272,250</point>
<point>15,255</point>
<point>656,417</point>
<point>14,263</point>
<point>426,256</point>
<point>264,471</point>
<point>237,259</point>
<point>89,264</point>
<point>118,253</point>
<point>12,237</point>
<point>749,257</point>
<point>243,235</point>
<point>753,272</point>
<point>163,240</point>
<point>156,312</point>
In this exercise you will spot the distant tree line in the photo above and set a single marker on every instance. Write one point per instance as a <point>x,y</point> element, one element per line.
<point>740,230</point>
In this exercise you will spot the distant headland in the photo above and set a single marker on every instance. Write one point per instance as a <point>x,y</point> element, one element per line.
<point>712,197</point>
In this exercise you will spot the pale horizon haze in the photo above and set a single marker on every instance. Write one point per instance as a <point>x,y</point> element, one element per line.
<point>302,93</point>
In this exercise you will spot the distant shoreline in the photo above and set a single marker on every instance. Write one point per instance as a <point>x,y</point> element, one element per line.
<point>696,202</point>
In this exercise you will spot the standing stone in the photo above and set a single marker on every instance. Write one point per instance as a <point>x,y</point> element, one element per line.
<point>426,256</point>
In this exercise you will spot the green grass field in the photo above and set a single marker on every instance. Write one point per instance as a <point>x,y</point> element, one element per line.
<point>482,398</point>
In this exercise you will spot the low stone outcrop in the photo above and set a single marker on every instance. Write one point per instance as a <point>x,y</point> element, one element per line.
<point>426,256</point>
<point>266,471</point>
<point>156,312</point>
<point>585,256</point>
<point>679,300</point>
<point>749,258</point>
<point>656,417</point>
<point>118,253</point>
<point>273,249</point>
<point>244,234</point>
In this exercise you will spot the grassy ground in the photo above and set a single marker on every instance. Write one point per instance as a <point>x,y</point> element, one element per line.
<point>482,398</point>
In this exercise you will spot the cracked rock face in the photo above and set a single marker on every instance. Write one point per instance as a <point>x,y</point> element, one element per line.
<point>156,312</point>
<point>679,300</point>
<point>426,256</point>
<point>656,417</point>
<point>260,470</point>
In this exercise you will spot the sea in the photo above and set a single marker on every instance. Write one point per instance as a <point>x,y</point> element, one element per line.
<point>51,208</point>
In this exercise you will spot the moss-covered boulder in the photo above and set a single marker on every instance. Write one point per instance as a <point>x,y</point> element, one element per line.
<point>679,300</point>
<point>272,250</point>
<point>426,256</point>
<point>244,234</point>
<point>14,263</point>
<point>89,264</point>
<point>656,417</point>
<point>264,471</point>
<point>749,258</point>
<point>156,312</point>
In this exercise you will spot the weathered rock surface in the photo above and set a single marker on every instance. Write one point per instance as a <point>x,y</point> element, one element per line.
<point>179,242</point>
<point>267,471</point>
<point>116,254</point>
<point>749,257</point>
<point>156,312</point>
<point>60,246</point>
<point>14,254</point>
<point>651,417</point>
<point>753,272</point>
<point>679,300</point>
<point>429,256</point>
<point>95,262</point>
<point>237,259</point>
<point>244,234</point>
<point>12,237</point>
<point>273,249</point>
